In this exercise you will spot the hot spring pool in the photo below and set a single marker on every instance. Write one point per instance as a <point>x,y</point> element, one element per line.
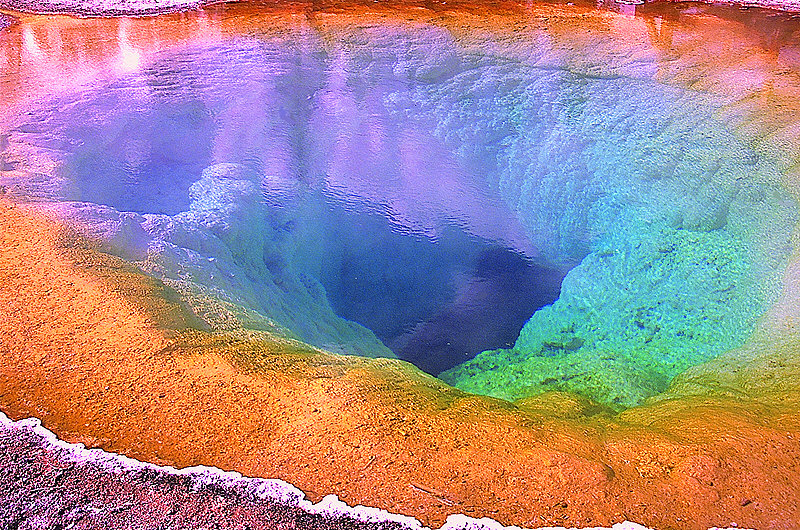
<point>391,191</point>
<point>553,200</point>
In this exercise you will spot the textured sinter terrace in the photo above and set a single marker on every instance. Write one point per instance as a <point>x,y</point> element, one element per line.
<point>666,187</point>
<point>48,482</point>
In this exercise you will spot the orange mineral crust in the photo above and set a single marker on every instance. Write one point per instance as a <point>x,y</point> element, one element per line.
<point>112,358</point>
<point>103,356</point>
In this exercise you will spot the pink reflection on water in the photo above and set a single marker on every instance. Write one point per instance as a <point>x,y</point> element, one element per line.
<point>379,161</point>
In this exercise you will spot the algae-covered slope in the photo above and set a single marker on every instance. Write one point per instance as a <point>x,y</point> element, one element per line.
<point>672,211</point>
<point>679,226</point>
<point>680,229</point>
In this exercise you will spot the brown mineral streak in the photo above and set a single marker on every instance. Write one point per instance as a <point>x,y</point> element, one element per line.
<point>91,347</point>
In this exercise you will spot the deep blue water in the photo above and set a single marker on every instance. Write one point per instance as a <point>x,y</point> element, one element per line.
<point>434,302</point>
<point>356,197</point>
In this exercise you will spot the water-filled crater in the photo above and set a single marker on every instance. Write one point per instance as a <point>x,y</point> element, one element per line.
<point>494,214</point>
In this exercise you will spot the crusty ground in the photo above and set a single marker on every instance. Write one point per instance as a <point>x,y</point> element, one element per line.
<point>42,487</point>
<point>105,8</point>
<point>108,357</point>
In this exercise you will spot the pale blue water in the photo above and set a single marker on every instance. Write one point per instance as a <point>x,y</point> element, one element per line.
<point>369,196</point>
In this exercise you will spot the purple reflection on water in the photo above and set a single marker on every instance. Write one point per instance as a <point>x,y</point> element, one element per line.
<point>407,237</point>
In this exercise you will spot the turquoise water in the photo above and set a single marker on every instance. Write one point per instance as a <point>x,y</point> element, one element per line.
<point>510,227</point>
